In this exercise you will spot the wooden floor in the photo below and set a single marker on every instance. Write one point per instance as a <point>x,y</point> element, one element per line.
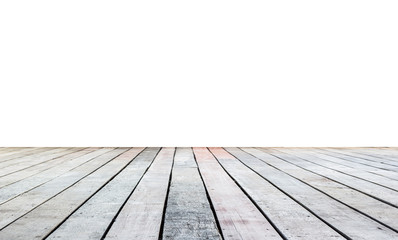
<point>198,193</point>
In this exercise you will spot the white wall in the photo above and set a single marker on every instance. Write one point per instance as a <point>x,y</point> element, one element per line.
<point>194,73</point>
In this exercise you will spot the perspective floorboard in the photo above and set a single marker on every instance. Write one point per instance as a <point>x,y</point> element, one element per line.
<point>198,193</point>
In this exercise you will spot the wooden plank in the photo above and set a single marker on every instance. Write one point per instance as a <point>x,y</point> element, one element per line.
<point>237,215</point>
<point>31,171</point>
<point>358,160</point>
<point>27,156</point>
<point>9,155</point>
<point>7,150</point>
<point>69,162</point>
<point>378,152</point>
<point>388,163</point>
<point>12,157</point>
<point>33,160</point>
<point>188,213</point>
<point>343,218</point>
<point>351,171</point>
<point>283,211</point>
<point>17,207</point>
<point>104,205</point>
<point>379,211</point>
<point>388,174</point>
<point>384,194</point>
<point>38,223</point>
<point>141,216</point>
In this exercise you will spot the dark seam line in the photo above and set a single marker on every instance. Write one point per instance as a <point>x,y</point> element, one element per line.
<point>103,185</point>
<point>166,198</point>
<point>290,196</point>
<point>61,191</point>
<point>385,225</point>
<point>128,197</point>
<point>250,198</point>
<point>209,199</point>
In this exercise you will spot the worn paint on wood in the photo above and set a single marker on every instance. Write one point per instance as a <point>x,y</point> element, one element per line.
<point>282,210</point>
<point>304,193</point>
<point>188,213</point>
<point>348,221</point>
<point>141,216</point>
<point>46,218</point>
<point>104,205</point>
<point>238,216</point>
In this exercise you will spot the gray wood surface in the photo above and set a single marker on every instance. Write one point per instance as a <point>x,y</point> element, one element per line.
<point>29,161</point>
<point>92,219</point>
<point>60,206</point>
<point>238,216</point>
<point>282,210</point>
<point>364,186</point>
<point>369,157</point>
<point>141,216</point>
<point>379,162</point>
<point>198,193</point>
<point>69,162</point>
<point>371,207</point>
<point>343,218</point>
<point>17,207</point>
<point>356,165</point>
<point>348,170</point>
<point>188,213</point>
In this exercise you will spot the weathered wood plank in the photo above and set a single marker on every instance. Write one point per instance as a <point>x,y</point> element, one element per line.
<point>7,150</point>
<point>33,160</point>
<point>69,162</point>
<point>237,215</point>
<point>141,216</point>
<point>188,213</point>
<point>28,156</point>
<point>92,219</point>
<point>385,194</point>
<point>354,172</point>
<point>17,207</point>
<point>283,211</point>
<point>384,161</point>
<point>358,160</point>
<point>348,221</point>
<point>379,211</point>
<point>39,222</point>
<point>28,172</point>
<point>377,152</point>
<point>9,155</point>
<point>356,165</point>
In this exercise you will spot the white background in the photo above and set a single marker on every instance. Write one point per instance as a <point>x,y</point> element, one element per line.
<point>199,73</point>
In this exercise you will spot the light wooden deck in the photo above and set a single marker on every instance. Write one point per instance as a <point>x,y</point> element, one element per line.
<point>199,193</point>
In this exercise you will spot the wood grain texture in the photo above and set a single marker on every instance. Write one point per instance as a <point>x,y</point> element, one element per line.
<point>372,207</point>
<point>280,208</point>
<point>356,165</point>
<point>10,155</point>
<point>141,216</point>
<point>380,163</point>
<point>63,165</point>
<point>348,170</point>
<point>188,213</point>
<point>17,207</point>
<point>238,216</point>
<point>92,219</point>
<point>39,222</point>
<point>29,161</point>
<point>348,221</point>
<point>368,157</point>
<point>364,186</point>
<point>200,193</point>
